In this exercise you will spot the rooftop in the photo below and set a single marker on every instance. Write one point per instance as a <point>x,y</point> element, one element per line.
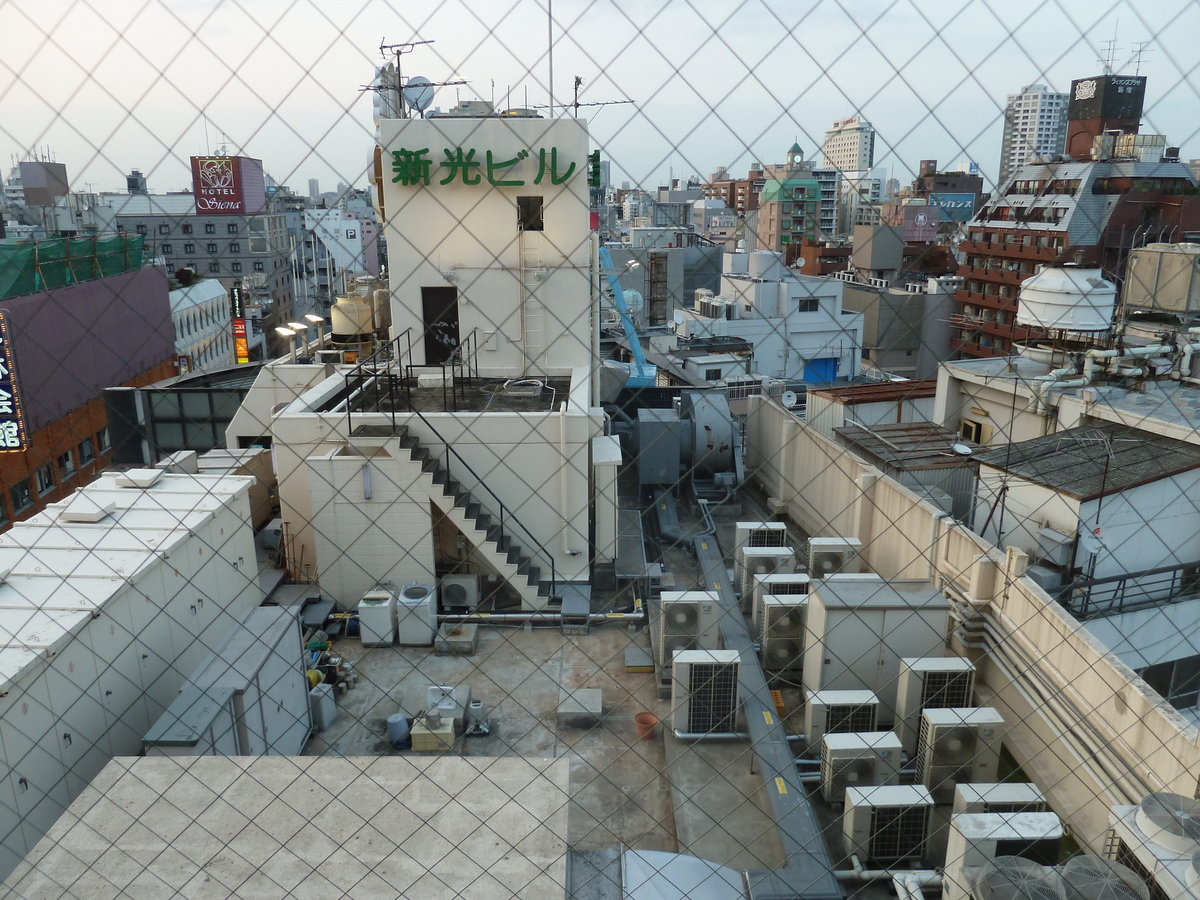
<point>1094,460</point>
<point>878,392</point>
<point>914,445</point>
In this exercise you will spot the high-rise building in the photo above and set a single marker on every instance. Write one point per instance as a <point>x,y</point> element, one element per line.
<point>1035,124</point>
<point>849,145</point>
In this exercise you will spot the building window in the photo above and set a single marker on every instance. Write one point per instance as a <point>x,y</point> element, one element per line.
<point>164,228</point>
<point>235,247</point>
<point>972,431</point>
<point>258,266</point>
<point>102,440</point>
<point>166,248</point>
<point>211,247</point>
<point>22,497</point>
<point>232,228</point>
<point>214,267</point>
<point>141,229</point>
<point>712,374</point>
<point>187,228</point>
<point>235,266</point>
<point>189,248</point>
<point>210,228</point>
<point>87,451</point>
<point>529,213</point>
<point>66,465</point>
<point>45,479</point>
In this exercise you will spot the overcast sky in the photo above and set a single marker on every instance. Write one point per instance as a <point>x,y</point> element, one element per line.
<point>109,86</point>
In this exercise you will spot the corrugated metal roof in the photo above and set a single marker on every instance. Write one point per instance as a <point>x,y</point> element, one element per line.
<point>1095,460</point>
<point>910,445</point>
<point>883,392</point>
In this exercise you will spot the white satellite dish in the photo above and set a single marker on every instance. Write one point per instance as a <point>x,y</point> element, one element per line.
<point>788,399</point>
<point>1090,543</point>
<point>418,93</point>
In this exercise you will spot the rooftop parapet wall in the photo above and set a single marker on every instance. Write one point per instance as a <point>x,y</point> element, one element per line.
<point>1082,723</point>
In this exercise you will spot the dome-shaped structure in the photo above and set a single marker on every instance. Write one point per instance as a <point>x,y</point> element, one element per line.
<point>1069,298</point>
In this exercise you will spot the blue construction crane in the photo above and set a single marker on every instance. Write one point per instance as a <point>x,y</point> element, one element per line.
<point>641,373</point>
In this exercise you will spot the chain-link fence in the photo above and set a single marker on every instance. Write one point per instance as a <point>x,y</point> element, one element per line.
<point>598,450</point>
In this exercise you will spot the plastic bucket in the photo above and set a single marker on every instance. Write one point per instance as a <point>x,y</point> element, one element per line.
<point>646,722</point>
<point>397,728</point>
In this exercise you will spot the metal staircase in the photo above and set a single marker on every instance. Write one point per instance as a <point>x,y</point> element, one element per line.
<point>489,533</point>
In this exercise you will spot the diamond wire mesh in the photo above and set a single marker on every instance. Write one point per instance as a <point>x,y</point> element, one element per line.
<point>108,88</point>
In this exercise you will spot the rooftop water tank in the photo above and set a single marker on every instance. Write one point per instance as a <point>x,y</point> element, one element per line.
<point>1070,298</point>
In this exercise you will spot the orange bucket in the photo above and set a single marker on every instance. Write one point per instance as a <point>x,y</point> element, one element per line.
<point>646,722</point>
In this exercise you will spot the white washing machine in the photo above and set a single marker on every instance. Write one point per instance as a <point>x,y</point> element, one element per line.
<point>416,611</point>
<point>377,618</point>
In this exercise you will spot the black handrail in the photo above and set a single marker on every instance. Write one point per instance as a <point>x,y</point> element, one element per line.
<point>1130,591</point>
<point>389,352</point>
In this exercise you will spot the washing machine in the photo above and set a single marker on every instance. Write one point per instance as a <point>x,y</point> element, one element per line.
<point>416,612</point>
<point>377,618</point>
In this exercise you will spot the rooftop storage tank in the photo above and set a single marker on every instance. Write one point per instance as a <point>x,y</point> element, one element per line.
<point>1070,298</point>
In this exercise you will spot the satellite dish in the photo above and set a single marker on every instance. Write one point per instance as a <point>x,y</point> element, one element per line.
<point>961,449</point>
<point>1090,543</point>
<point>418,93</point>
<point>788,399</point>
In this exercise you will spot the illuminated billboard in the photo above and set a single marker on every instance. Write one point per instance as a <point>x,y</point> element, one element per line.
<point>228,185</point>
<point>12,423</point>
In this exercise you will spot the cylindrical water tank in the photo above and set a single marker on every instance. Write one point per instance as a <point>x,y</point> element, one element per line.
<point>765,264</point>
<point>1070,298</point>
<point>351,319</point>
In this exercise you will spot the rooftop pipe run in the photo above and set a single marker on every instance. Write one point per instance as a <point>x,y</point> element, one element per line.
<point>1056,378</point>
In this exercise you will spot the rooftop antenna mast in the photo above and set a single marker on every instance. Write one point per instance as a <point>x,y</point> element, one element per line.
<point>1141,50</point>
<point>399,50</point>
<point>1108,50</point>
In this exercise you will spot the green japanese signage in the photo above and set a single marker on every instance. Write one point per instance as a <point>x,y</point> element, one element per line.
<point>414,167</point>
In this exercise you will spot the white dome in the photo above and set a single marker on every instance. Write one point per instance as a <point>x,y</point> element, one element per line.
<point>1070,298</point>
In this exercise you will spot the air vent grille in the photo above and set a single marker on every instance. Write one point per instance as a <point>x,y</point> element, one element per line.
<point>713,697</point>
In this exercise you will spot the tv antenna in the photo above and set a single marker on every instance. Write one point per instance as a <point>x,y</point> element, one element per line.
<point>413,93</point>
<point>576,104</point>
<point>1141,50</point>
<point>1108,50</point>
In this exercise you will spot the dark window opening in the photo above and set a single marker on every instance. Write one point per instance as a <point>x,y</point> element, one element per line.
<point>529,213</point>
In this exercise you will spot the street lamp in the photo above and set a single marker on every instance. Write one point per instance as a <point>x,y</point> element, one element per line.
<point>301,329</point>
<point>289,334</point>
<point>319,321</point>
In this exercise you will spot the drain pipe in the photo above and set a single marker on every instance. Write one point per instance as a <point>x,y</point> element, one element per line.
<point>916,877</point>
<point>1185,363</point>
<point>1056,378</point>
<point>1089,358</point>
<point>1009,660</point>
<point>562,480</point>
<point>639,615</point>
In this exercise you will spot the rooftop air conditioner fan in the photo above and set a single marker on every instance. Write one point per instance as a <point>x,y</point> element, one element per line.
<point>858,760</point>
<point>831,556</point>
<point>704,692</point>
<point>782,636</point>
<point>1096,878</point>
<point>1016,878</point>
<point>930,683</point>
<point>688,621</point>
<point>886,823</point>
<point>460,590</point>
<point>838,712</point>
<point>957,746</point>
<point>1170,820</point>
<point>837,775</point>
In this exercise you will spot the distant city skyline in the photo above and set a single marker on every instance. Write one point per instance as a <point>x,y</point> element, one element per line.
<point>147,88</point>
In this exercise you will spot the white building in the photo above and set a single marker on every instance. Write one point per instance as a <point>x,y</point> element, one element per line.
<point>795,322</point>
<point>1035,124</point>
<point>490,269</point>
<point>849,145</point>
<point>203,332</point>
<point>109,600</point>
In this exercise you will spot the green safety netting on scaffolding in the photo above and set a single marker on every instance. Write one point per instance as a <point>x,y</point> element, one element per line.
<point>27,267</point>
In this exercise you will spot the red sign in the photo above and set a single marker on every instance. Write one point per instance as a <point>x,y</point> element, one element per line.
<point>241,347</point>
<point>217,181</point>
